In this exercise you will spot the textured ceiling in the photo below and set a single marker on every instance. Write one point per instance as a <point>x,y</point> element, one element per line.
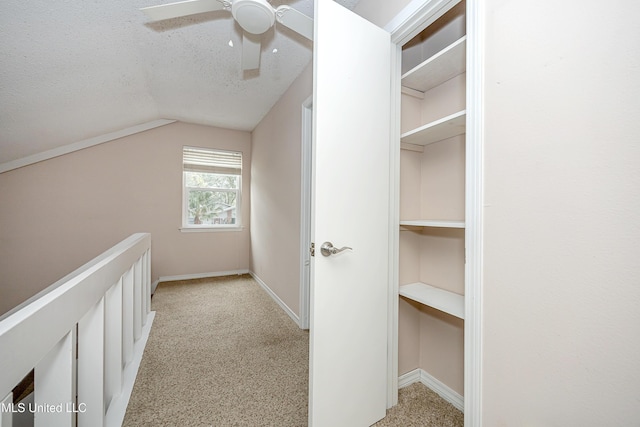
<point>72,70</point>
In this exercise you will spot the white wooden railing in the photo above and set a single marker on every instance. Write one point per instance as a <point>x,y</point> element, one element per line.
<point>83,336</point>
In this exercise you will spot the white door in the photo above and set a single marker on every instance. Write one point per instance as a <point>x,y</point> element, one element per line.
<point>349,290</point>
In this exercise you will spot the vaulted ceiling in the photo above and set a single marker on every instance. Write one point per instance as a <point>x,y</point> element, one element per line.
<point>72,70</point>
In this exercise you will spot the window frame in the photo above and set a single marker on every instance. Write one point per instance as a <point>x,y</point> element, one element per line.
<point>186,227</point>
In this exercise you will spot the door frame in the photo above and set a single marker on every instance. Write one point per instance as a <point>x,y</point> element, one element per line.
<point>408,23</point>
<point>417,15</point>
<point>305,211</point>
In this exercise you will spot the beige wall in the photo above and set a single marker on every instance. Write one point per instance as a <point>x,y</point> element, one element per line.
<point>561,274</point>
<point>562,203</point>
<point>60,213</point>
<point>276,193</point>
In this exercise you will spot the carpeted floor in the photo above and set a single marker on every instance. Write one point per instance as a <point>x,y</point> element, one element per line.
<point>223,353</point>
<point>419,406</point>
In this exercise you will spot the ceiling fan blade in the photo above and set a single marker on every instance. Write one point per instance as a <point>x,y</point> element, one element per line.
<point>182,8</point>
<point>250,51</point>
<point>296,20</point>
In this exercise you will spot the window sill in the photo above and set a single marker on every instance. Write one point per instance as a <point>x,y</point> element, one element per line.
<point>209,229</point>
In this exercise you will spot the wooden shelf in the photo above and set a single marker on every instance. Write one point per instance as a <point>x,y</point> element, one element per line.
<point>440,223</point>
<point>448,63</point>
<point>448,302</point>
<point>444,128</point>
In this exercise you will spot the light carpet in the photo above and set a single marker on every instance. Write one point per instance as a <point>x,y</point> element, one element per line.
<point>222,353</point>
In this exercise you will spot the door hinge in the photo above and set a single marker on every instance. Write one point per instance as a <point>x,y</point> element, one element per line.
<point>313,249</point>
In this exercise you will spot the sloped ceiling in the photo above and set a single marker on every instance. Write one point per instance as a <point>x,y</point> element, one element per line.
<point>72,70</point>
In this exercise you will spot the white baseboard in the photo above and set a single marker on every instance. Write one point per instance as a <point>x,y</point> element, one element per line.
<point>118,406</point>
<point>154,285</point>
<point>277,299</point>
<point>409,378</point>
<point>443,390</point>
<point>199,276</point>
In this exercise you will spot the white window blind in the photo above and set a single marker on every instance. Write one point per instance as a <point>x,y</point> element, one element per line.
<point>211,161</point>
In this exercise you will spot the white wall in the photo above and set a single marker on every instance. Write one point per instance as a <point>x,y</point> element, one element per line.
<point>276,193</point>
<point>562,202</point>
<point>58,214</point>
<point>380,12</point>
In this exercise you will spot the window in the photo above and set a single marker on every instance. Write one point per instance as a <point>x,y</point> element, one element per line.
<point>212,183</point>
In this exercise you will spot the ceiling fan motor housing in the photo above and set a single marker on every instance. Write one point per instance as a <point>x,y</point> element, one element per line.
<point>254,16</point>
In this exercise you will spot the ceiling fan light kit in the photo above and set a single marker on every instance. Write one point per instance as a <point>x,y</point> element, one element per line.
<point>254,16</point>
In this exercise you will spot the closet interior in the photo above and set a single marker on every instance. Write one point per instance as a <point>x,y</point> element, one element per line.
<point>432,206</point>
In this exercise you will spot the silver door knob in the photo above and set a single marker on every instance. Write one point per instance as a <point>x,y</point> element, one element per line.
<point>327,249</point>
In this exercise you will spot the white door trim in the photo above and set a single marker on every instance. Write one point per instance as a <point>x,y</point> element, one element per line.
<point>408,23</point>
<point>305,211</point>
<point>474,203</point>
<point>415,17</point>
<point>394,228</point>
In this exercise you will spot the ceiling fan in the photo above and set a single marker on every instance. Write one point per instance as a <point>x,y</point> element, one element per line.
<point>254,16</point>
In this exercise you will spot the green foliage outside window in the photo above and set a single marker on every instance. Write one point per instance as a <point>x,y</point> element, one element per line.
<point>211,197</point>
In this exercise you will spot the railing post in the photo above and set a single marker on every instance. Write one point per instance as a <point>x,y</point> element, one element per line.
<point>145,291</point>
<point>148,268</point>
<point>6,414</point>
<point>54,394</point>
<point>127,316</point>
<point>91,367</point>
<point>137,300</point>
<point>113,342</point>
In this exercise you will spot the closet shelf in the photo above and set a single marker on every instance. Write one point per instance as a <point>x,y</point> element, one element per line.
<point>444,65</point>
<point>438,130</point>
<point>440,223</point>
<point>448,302</point>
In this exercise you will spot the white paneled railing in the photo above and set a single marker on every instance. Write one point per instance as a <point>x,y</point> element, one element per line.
<point>84,337</point>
